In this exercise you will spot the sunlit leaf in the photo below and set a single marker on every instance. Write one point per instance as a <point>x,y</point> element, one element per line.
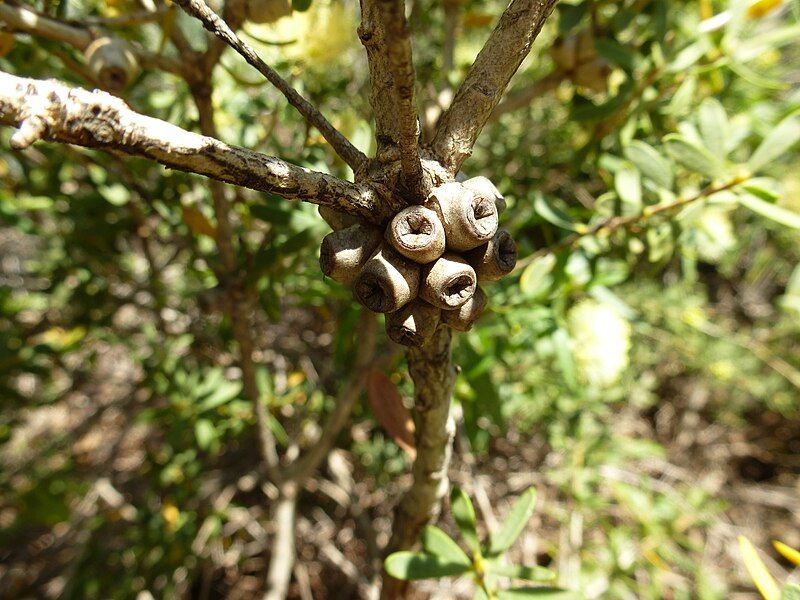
<point>773,212</point>
<point>713,122</point>
<point>761,577</point>
<point>651,164</point>
<point>419,565</point>
<point>778,141</point>
<point>519,515</point>
<point>693,157</point>
<point>464,515</point>
<point>437,542</point>
<point>537,279</point>
<point>788,552</point>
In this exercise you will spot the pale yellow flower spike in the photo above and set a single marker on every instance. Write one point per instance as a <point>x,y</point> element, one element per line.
<point>758,570</point>
<point>789,553</point>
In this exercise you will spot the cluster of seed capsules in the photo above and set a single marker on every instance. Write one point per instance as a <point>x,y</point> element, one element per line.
<point>426,267</point>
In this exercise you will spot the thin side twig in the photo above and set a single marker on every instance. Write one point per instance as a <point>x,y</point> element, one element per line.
<point>501,56</point>
<point>214,23</point>
<point>99,120</point>
<point>607,226</point>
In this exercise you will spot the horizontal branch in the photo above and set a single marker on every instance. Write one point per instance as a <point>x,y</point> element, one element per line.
<point>51,110</point>
<point>506,48</point>
<point>216,25</point>
<point>23,20</point>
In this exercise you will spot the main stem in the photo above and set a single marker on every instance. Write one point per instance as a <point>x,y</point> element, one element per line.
<point>434,375</point>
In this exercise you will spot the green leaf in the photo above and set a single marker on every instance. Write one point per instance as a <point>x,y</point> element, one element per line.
<point>774,212</point>
<point>437,542</point>
<point>552,215</point>
<point>515,522</point>
<point>419,565</point>
<point>629,188</point>
<point>693,157</point>
<point>778,141</point>
<point>616,53</point>
<point>651,164</point>
<point>791,592</point>
<point>536,279</point>
<point>535,573</point>
<point>566,360</point>
<point>224,393</point>
<point>713,122</point>
<point>464,514</point>
<point>551,593</point>
<point>205,433</point>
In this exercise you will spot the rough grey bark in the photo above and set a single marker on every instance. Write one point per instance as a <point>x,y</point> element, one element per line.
<point>434,375</point>
<point>484,85</point>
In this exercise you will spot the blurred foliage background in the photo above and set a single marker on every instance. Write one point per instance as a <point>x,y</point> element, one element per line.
<point>641,369</point>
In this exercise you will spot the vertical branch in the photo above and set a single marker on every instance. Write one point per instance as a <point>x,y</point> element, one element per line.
<point>283,548</point>
<point>432,370</point>
<point>506,48</point>
<point>397,43</point>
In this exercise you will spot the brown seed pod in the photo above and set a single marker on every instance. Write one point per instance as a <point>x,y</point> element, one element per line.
<point>417,233</point>
<point>495,259</point>
<point>268,11</point>
<point>412,325</point>
<point>337,219</point>
<point>343,252</point>
<point>387,281</point>
<point>464,317</point>
<point>469,220</point>
<point>448,283</point>
<point>484,188</point>
<point>112,63</point>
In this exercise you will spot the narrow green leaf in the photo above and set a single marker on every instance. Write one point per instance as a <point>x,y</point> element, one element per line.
<point>774,212</point>
<point>713,122</point>
<point>437,542</point>
<point>616,53</point>
<point>464,514</point>
<point>205,433</point>
<point>515,522</point>
<point>537,279</point>
<point>628,184</point>
<point>535,573</point>
<point>693,157</point>
<point>566,360</point>
<point>552,215</point>
<point>778,141</point>
<point>550,593</point>
<point>419,565</point>
<point>651,164</point>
